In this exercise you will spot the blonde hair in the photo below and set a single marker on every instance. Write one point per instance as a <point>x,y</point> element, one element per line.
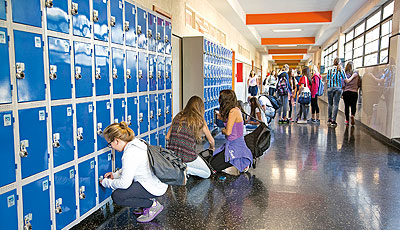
<point>120,131</point>
<point>349,69</point>
<point>193,115</point>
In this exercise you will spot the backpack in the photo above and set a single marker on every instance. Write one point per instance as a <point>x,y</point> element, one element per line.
<point>305,95</point>
<point>282,88</point>
<point>320,90</point>
<point>274,101</point>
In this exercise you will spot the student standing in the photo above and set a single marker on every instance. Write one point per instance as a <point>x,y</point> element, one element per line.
<point>304,85</point>
<point>314,98</point>
<point>334,83</point>
<point>271,81</point>
<point>350,92</point>
<point>252,82</point>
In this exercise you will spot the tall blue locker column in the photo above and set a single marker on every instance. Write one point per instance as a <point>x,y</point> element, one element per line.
<point>168,108</point>
<point>151,32</point>
<point>131,71</point>
<point>161,72</point>
<point>142,28</point>
<point>152,72</point>
<point>81,25</point>
<point>57,16</point>
<point>100,21</point>
<point>168,73</point>
<point>118,71</point>
<point>103,120</point>
<point>161,109</point>
<point>132,118</point>
<point>5,84</point>
<point>153,111</point>
<point>142,71</point>
<point>83,69</point>
<point>130,25</point>
<point>167,37</point>
<point>101,65</point>
<point>87,185</point>
<point>7,164</point>
<point>160,35</point>
<point>119,110</point>
<point>62,139</point>
<point>65,203</point>
<point>144,113</point>
<point>85,136</point>
<point>105,166</point>
<point>117,34</point>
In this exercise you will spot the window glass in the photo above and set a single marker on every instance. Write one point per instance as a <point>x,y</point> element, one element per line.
<point>348,55</point>
<point>359,29</point>
<point>388,10</point>
<point>372,47</point>
<point>371,59</point>
<point>357,62</point>
<point>358,52</point>
<point>387,28</point>
<point>385,42</point>
<point>359,42</point>
<point>375,19</point>
<point>372,35</point>
<point>348,47</point>
<point>384,56</point>
<point>349,35</point>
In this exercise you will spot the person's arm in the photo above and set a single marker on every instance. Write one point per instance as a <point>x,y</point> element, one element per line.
<point>233,116</point>
<point>351,78</point>
<point>208,135</point>
<point>169,133</point>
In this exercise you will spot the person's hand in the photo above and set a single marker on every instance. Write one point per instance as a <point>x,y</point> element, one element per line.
<point>212,147</point>
<point>109,175</point>
<point>223,131</point>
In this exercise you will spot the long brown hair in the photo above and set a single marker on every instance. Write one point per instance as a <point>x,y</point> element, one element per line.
<point>349,69</point>
<point>118,130</point>
<point>254,104</point>
<point>227,101</point>
<point>193,115</point>
<point>306,72</point>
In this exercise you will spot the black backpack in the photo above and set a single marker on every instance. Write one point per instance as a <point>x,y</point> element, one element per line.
<point>274,101</point>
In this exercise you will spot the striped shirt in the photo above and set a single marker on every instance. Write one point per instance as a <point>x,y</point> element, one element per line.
<point>182,142</point>
<point>335,78</point>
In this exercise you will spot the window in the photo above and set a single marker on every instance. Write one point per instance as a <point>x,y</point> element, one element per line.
<point>329,54</point>
<point>368,42</point>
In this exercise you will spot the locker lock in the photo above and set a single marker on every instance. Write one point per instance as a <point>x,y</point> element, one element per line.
<point>20,70</point>
<point>139,30</point>
<point>56,140</point>
<point>149,33</point>
<point>166,40</point>
<point>22,149</point>
<point>140,74</point>
<point>49,3</point>
<point>27,222</point>
<point>99,128</point>
<point>97,75</point>
<point>159,74</point>
<point>78,75</point>
<point>166,75</point>
<point>74,8</point>
<point>126,25</point>
<point>58,206</point>
<point>82,193</point>
<point>53,72</point>
<point>112,21</point>
<point>79,137</point>
<point>129,120</point>
<point>115,73</point>
<point>158,36</point>
<point>95,15</point>
<point>167,110</point>
<point>151,114</point>
<point>151,74</point>
<point>140,117</point>
<point>128,74</point>
<point>159,112</point>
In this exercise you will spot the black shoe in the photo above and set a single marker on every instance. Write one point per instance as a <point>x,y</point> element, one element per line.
<point>333,124</point>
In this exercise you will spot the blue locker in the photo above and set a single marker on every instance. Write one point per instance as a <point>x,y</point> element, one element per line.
<point>152,32</point>
<point>100,21</point>
<point>87,186</point>
<point>8,207</point>
<point>103,120</point>
<point>160,109</point>
<point>153,111</point>
<point>130,25</point>
<point>105,166</point>
<point>131,71</point>
<point>7,164</point>
<point>152,72</point>
<point>85,136</point>
<point>5,84</point>
<point>117,34</point>
<point>118,160</point>
<point>81,25</point>
<point>57,16</point>
<point>143,114</point>
<point>118,71</point>
<point>168,108</point>
<point>63,137</point>
<point>29,66</point>
<point>119,110</point>
<point>161,72</point>
<point>161,137</point>
<point>83,69</point>
<point>142,71</point>
<point>101,62</point>
<point>36,204</point>
<point>65,203</point>
<point>3,10</point>
<point>27,12</point>
<point>154,139</point>
<point>160,35</point>
<point>33,141</point>
<point>167,39</point>
<point>168,72</point>
<point>142,28</point>
<point>132,118</point>
<point>146,138</point>
<point>60,68</point>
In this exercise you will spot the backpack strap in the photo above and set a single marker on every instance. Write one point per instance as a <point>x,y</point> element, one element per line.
<point>243,112</point>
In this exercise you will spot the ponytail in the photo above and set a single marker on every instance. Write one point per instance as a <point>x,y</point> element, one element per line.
<point>119,130</point>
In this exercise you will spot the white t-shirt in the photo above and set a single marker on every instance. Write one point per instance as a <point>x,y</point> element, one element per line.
<point>136,167</point>
<point>265,102</point>
<point>253,81</point>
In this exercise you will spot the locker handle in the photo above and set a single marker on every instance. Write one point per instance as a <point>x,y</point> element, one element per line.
<point>78,76</point>
<point>99,128</point>
<point>74,8</point>
<point>159,112</point>
<point>166,75</point>
<point>97,76</point>
<point>166,39</point>
<point>58,206</point>
<point>82,195</point>
<point>126,25</point>
<point>159,74</point>
<point>115,76</point>
<point>95,15</point>
<point>53,76</point>
<point>112,21</point>
<point>158,36</point>
<point>49,3</point>
<point>129,120</point>
<point>140,117</point>
<point>139,29</point>
<point>149,33</point>
<point>79,137</point>
<point>151,75</point>
<point>27,224</point>
<point>23,152</point>
<point>20,70</point>
<point>140,74</point>
<point>151,114</point>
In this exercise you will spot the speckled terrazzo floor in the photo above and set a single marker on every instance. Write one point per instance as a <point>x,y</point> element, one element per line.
<point>312,177</point>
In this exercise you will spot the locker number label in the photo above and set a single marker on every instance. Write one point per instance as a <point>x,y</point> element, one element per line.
<point>90,108</point>
<point>108,105</point>
<point>7,120</point>
<point>71,173</point>
<point>92,165</point>
<point>104,1</point>
<point>2,37</point>
<point>133,10</point>
<point>45,185</point>
<point>120,4</point>
<point>38,42</point>
<point>42,115</point>
<point>69,111</point>
<point>11,201</point>
<point>109,157</point>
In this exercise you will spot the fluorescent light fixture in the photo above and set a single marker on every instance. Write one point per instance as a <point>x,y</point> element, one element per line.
<point>286,45</point>
<point>286,30</point>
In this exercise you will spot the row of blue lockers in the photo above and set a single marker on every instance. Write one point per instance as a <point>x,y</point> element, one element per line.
<point>217,75</point>
<point>211,96</point>
<point>143,72</point>
<point>217,54</point>
<point>144,114</point>
<point>127,24</point>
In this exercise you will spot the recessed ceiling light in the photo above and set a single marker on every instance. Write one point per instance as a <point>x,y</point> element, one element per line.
<point>286,30</point>
<point>287,45</point>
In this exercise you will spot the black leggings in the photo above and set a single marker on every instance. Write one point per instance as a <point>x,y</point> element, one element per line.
<point>218,163</point>
<point>135,196</point>
<point>350,100</point>
<point>314,105</point>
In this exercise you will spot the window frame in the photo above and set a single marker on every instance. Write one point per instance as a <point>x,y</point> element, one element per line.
<point>329,63</point>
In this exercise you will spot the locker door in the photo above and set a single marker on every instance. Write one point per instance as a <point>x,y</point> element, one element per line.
<point>3,10</point>
<point>118,71</point>
<point>81,25</point>
<point>118,160</point>
<point>60,68</point>
<point>161,72</point>
<point>83,69</point>
<point>7,164</point>
<point>152,72</point>
<point>105,166</point>
<point>143,113</point>
<point>141,29</point>
<point>33,141</point>
<point>117,34</point>
<point>160,109</point>
<point>85,136</point>
<point>153,111</point>
<point>168,72</point>
<point>168,108</point>
<point>100,21</point>
<point>57,16</point>
<point>142,71</point>
<point>5,84</point>
<point>119,110</point>
<point>131,71</point>
<point>27,12</point>
<point>29,66</point>
<point>154,139</point>
<point>132,118</point>
<point>36,204</point>
<point>152,32</point>
<point>161,137</point>
<point>167,37</point>
<point>8,207</point>
<point>65,203</point>
<point>102,75</point>
<point>130,25</point>
<point>63,137</point>
<point>160,35</point>
<point>87,185</point>
<point>146,138</point>
<point>103,120</point>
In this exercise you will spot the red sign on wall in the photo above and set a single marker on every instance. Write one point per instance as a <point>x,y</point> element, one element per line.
<point>239,71</point>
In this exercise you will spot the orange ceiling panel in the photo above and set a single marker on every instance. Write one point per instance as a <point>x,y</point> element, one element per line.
<point>287,57</point>
<point>287,51</point>
<point>289,18</point>
<point>286,61</point>
<point>287,41</point>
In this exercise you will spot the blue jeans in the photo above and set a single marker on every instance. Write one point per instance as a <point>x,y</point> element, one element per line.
<point>334,95</point>
<point>283,110</point>
<point>198,168</point>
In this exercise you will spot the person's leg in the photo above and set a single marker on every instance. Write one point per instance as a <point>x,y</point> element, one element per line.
<point>316,108</point>
<point>330,103</point>
<point>282,109</point>
<point>135,196</point>
<point>285,105</point>
<point>346,106</point>
<point>353,102</point>
<point>218,163</point>
<point>290,108</point>
<point>313,108</point>
<point>306,108</point>
<point>336,99</point>
<point>198,168</point>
